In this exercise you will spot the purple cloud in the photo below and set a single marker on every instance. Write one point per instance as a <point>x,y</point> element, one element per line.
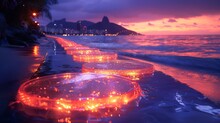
<point>188,25</point>
<point>150,24</point>
<point>167,26</point>
<point>172,21</point>
<point>125,25</point>
<point>133,10</point>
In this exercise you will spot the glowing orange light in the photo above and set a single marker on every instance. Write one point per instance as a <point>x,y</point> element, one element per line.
<point>34,14</point>
<point>36,50</point>
<point>69,45</point>
<point>120,67</point>
<point>82,52</point>
<point>97,57</point>
<point>34,67</point>
<point>76,47</point>
<point>69,92</point>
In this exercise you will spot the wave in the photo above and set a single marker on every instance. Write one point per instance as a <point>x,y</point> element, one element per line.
<point>208,64</point>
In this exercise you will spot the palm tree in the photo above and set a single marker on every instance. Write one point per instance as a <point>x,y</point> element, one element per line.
<point>22,10</point>
<point>17,12</point>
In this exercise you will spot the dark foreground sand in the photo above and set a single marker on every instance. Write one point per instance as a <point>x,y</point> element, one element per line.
<point>17,64</point>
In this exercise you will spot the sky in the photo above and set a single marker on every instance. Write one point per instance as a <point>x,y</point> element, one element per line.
<point>146,16</point>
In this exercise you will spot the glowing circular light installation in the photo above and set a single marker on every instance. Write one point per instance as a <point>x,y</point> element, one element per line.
<point>82,51</point>
<point>132,70</point>
<point>79,47</point>
<point>66,43</point>
<point>95,57</point>
<point>77,92</point>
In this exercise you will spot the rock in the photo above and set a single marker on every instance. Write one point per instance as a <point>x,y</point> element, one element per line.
<point>105,20</point>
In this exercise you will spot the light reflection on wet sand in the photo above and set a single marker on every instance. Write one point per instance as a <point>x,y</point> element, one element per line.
<point>36,51</point>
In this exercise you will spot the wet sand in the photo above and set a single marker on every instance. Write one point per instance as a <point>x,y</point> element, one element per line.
<point>17,65</point>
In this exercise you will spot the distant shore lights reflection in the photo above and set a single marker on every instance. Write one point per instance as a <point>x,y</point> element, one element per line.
<point>69,92</point>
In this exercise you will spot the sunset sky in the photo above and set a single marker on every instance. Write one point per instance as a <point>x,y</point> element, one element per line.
<point>146,16</point>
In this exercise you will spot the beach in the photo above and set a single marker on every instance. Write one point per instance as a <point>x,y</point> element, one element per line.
<point>168,95</point>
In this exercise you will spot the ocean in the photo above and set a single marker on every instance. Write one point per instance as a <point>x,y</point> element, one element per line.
<point>191,59</point>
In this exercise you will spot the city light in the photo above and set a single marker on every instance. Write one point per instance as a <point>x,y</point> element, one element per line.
<point>34,14</point>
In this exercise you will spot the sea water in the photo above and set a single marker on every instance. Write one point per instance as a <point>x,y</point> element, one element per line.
<point>190,59</point>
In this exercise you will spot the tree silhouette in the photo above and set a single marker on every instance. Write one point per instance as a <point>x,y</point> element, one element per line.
<point>18,11</point>
<point>19,17</point>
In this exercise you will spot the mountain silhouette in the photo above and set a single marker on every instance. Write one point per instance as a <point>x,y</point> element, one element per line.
<point>105,27</point>
<point>111,28</point>
<point>69,25</point>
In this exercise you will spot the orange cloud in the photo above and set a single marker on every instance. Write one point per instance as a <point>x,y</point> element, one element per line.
<point>193,25</point>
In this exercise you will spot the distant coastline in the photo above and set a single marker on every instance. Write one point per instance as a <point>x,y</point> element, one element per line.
<point>87,28</point>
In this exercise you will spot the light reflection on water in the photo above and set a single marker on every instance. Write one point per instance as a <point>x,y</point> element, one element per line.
<point>193,46</point>
<point>173,53</point>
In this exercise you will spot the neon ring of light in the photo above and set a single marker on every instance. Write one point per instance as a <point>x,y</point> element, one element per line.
<point>76,47</point>
<point>132,70</point>
<point>96,57</point>
<point>66,43</point>
<point>77,92</point>
<point>82,51</point>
